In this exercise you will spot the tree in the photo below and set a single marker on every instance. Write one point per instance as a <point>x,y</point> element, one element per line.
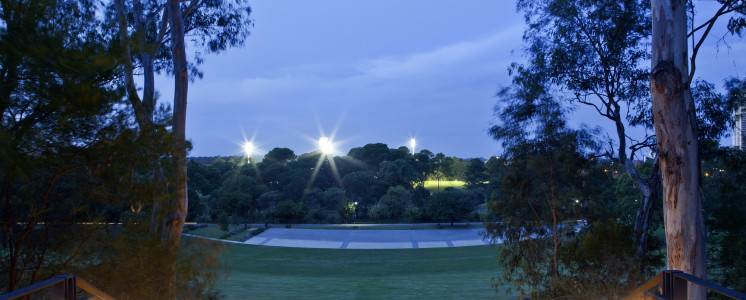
<point>724,183</point>
<point>347,210</point>
<point>592,52</point>
<point>475,173</point>
<point>333,197</point>
<point>440,167</point>
<point>361,187</point>
<point>280,155</point>
<point>71,154</point>
<point>371,155</point>
<point>289,211</point>
<point>380,212</point>
<point>449,205</point>
<point>397,173</point>
<point>543,192</point>
<point>396,199</point>
<point>675,121</point>
<point>58,117</point>
<point>156,27</point>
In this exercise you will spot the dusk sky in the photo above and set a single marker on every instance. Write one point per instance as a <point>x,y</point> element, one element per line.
<point>376,71</point>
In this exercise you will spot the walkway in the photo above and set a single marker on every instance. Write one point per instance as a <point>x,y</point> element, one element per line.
<point>368,239</point>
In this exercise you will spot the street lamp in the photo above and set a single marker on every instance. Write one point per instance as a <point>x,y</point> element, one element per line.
<point>248,148</point>
<point>325,145</point>
<point>412,143</point>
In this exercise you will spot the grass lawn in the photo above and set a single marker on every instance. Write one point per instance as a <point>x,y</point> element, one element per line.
<point>260,272</point>
<point>432,185</point>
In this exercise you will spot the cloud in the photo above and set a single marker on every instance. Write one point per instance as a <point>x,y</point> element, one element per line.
<point>385,76</point>
<point>435,61</point>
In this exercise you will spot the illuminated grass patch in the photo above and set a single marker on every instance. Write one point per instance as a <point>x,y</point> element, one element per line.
<point>432,185</point>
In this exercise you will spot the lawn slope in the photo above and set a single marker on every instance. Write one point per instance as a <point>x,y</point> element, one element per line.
<point>260,272</point>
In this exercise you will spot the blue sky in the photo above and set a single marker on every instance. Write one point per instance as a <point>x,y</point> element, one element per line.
<point>373,71</point>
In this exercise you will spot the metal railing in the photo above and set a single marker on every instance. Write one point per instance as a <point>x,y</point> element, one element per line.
<point>63,287</point>
<point>673,285</point>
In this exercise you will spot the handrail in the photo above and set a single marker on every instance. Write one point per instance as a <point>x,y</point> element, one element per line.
<point>710,285</point>
<point>62,287</point>
<point>84,285</point>
<point>674,284</point>
<point>650,284</point>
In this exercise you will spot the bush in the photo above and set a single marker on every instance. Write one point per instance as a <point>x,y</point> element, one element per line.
<point>191,227</point>
<point>316,216</point>
<point>412,214</point>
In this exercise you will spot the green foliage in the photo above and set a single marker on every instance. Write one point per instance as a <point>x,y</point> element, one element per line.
<point>289,212</point>
<point>598,261</point>
<point>397,173</point>
<point>449,205</point>
<point>372,155</point>
<point>380,212</point>
<point>279,155</point>
<point>362,187</point>
<point>333,197</point>
<point>396,200</point>
<point>713,110</point>
<point>547,183</point>
<point>724,187</point>
<point>412,214</point>
<point>347,210</point>
<point>130,261</point>
<point>476,172</point>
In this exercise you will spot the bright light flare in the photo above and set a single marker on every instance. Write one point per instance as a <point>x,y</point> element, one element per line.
<point>325,145</point>
<point>248,148</point>
<point>412,144</point>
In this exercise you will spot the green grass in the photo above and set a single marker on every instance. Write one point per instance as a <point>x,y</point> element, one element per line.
<point>260,272</point>
<point>432,185</point>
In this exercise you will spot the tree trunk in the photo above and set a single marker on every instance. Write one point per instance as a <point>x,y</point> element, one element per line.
<point>676,131</point>
<point>144,107</point>
<point>648,189</point>
<point>177,217</point>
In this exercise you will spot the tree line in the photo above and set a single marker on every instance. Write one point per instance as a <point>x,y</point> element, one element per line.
<point>373,183</point>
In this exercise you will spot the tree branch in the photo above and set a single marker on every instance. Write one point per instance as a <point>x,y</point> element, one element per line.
<point>710,23</point>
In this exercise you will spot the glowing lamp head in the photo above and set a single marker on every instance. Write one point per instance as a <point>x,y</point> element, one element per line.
<point>248,148</point>
<point>412,144</point>
<point>325,145</point>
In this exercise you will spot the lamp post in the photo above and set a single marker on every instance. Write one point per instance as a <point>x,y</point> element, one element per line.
<point>248,148</point>
<point>325,145</point>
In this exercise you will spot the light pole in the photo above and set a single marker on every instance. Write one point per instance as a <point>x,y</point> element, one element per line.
<point>325,145</point>
<point>248,148</point>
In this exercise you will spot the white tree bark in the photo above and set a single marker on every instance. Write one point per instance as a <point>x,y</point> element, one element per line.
<point>176,219</point>
<point>676,132</point>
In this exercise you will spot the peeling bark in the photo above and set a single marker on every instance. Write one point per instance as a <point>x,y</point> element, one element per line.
<point>676,131</point>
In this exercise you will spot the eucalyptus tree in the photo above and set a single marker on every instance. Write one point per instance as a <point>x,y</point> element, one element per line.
<point>152,37</point>
<point>675,117</point>
<point>548,168</point>
<point>592,54</point>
